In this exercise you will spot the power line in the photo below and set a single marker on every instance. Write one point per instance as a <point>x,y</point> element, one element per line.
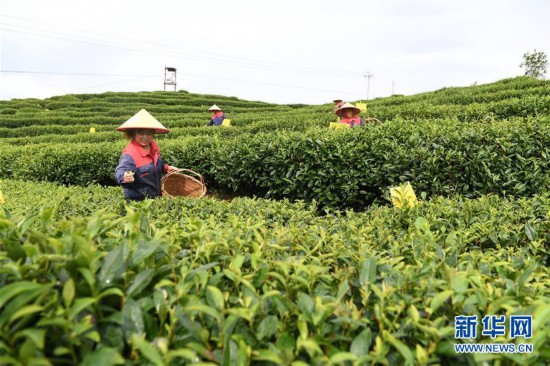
<point>157,45</point>
<point>74,73</point>
<point>111,83</point>
<point>161,53</point>
<point>161,50</point>
<point>183,73</point>
<point>217,59</point>
<point>271,84</point>
<point>56,26</point>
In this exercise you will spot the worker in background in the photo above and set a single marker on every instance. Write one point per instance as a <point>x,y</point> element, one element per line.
<point>217,116</point>
<point>349,115</point>
<point>337,104</point>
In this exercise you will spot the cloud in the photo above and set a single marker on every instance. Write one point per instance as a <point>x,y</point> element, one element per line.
<point>252,49</point>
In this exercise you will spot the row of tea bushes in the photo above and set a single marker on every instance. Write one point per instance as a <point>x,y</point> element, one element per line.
<point>78,119</point>
<point>487,222</point>
<point>500,90</point>
<point>34,134</point>
<point>524,106</point>
<point>519,97</point>
<point>342,169</point>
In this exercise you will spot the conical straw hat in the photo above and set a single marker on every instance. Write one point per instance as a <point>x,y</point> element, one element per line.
<point>214,108</point>
<point>340,111</point>
<point>143,119</point>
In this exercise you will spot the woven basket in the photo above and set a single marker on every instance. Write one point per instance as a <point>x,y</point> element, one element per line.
<point>177,184</point>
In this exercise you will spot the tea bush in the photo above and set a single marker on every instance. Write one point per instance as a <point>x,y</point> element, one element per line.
<point>183,281</point>
<point>341,169</point>
<point>326,274</point>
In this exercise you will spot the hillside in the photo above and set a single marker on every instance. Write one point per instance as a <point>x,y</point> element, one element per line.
<point>308,263</point>
<point>469,141</point>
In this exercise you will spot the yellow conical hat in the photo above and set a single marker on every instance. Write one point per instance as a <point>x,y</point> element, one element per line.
<point>214,108</point>
<point>143,119</point>
<point>340,111</point>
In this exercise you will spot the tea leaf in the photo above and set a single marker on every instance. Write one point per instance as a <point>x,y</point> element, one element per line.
<point>439,299</point>
<point>27,310</point>
<point>340,357</point>
<point>143,251</point>
<point>132,319</point>
<point>268,327</point>
<point>361,344</point>
<point>140,282</point>
<point>8,292</point>
<point>68,292</point>
<point>368,271</point>
<point>214,297</point>
<point>35,335</point>
<point>79,305</point>
<point>113,266</point>
<point>401,347</point>
<point>147,350</point>
<point>104,356</point>
<point>305,304</point>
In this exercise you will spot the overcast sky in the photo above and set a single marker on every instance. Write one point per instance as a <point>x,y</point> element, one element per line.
<point>281,51</point>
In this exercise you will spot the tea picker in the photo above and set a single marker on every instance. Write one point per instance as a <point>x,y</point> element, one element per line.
<point>141,165</point>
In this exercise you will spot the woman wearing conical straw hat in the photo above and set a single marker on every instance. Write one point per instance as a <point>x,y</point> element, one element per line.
<point>140,167</point>
<point>217,116</point>
<point>349,114</point>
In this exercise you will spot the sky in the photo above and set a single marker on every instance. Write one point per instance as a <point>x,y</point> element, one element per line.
<point>278,51</point>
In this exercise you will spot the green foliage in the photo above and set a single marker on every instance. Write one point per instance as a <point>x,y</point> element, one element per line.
<point>535,64</point>
<point>86,278</point>
<point>183,280</point>
<point>340,169</point>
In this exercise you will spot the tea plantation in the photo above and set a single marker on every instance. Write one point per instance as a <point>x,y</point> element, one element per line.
<point>296,257</point>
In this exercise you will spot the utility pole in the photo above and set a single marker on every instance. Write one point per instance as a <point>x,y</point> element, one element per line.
<point>367,76</point>
<point>392,87</point>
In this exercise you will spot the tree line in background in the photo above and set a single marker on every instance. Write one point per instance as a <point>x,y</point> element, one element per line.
<point>535,64</point>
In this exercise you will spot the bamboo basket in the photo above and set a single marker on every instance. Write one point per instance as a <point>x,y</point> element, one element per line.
<point>178,184</point>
